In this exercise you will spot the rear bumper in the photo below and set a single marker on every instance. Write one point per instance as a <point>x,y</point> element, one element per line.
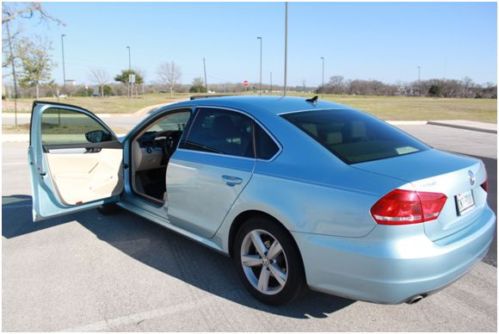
<point>375,270</point>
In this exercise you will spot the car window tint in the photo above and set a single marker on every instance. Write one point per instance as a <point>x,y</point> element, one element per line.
<point>61,126</point>
<point>354,136</point>
<point>221,131</point>
<point>266,148</point>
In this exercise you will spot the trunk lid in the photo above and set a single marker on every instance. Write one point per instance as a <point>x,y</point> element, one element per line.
<point>458,177</point>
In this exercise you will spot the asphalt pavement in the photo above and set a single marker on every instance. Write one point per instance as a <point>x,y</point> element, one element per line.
<point>88,271</point>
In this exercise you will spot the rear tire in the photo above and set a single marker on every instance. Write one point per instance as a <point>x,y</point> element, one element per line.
<point>268,261</point>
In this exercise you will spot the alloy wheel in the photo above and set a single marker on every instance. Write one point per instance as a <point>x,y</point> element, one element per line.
<point>264,262</point>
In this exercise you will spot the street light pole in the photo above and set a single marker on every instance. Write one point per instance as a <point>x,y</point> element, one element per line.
<point>322,58</point>
<point>63,64</point>
<point>261,42</point>
<point>205,79</point>
<point>285,48</point>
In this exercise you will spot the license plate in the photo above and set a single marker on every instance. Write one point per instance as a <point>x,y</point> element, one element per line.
<point>464,202</point>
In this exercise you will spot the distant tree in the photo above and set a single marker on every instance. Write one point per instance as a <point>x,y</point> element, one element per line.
<point>336,85</point>
<point>197,86</point>
<point>107,90</point>
<point>169,73</point>
<point>123,77</point>
<point>36,63</point>
<point>100,77</point>
<point>435,90</point>
<point>51,88</point>
<point>11,12</point>
<point>83,91</point>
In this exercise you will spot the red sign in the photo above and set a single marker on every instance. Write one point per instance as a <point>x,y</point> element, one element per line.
<point>245,83</point>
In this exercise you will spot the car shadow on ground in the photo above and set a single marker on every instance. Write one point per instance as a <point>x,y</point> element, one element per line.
<point>167,252</point>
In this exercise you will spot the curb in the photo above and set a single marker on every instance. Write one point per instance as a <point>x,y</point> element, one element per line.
<point>464,127</point>
<point>407,122</point>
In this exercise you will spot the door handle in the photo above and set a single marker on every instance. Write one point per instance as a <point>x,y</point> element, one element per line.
<point>232,180</point>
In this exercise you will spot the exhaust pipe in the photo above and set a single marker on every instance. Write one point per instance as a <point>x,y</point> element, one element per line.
<point>415,299</point>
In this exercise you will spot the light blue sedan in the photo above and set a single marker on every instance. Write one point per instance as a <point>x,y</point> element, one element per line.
<point>300,193</point>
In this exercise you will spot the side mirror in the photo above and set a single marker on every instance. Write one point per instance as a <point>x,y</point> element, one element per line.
<point>98,136</point>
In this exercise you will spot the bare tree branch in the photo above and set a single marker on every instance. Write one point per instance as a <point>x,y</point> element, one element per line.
<point>10,13</point>
<point>100,77</point>
<point>169,74</point>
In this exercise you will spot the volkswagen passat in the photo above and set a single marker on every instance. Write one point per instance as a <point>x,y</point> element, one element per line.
<point>298,192</point>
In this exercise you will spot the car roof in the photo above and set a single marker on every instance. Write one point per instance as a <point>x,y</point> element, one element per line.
<point>268,104</point>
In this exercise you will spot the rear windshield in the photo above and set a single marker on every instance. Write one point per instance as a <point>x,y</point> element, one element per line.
<point>353,136</point>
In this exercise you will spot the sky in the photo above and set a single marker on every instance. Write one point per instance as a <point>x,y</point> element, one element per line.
<point>382,41</point>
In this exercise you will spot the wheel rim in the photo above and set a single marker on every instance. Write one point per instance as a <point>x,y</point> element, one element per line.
<point>264,262</point>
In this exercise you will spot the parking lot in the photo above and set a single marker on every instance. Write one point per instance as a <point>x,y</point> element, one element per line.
<point>88,271</point>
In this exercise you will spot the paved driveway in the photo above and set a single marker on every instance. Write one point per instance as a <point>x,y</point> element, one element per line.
<point>93,272</point>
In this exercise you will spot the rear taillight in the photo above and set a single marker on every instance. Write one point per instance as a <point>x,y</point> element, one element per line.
<point>485,185</point>
<point>400,207</point>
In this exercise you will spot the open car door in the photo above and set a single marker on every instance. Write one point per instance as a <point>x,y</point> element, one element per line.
<point>76,161</point>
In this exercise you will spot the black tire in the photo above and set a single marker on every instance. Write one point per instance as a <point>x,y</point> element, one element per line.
<point>109,209</point>
<point>295,284</point>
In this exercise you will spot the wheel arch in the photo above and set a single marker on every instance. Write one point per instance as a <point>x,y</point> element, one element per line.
<point>242,217</point>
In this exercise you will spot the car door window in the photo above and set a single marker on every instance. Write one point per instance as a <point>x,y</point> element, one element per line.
<point>266,147</point>
<point>221,131</point>
<point>60,126</point>
<point>173,121</point>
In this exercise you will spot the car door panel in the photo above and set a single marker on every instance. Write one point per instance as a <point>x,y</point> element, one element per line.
<point>202,188</point>
<point>92,176</point>
<point>69,173</point>
<point>209,170</point>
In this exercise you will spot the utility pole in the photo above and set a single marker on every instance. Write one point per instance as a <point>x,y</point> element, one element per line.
<point>285,47</point>
<point>322,58</point>
<point>14,76</point>
<point>63,62</point>
<point>261,42</point>
<point>270,82</point>
<point>129,72</point>
<point>205,80</point>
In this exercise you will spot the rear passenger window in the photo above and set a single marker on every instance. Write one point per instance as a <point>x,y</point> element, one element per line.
<point>221,131</point>
<point>266,148</point>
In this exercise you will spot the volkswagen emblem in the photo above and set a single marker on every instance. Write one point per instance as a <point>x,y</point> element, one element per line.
<point>472,177</point>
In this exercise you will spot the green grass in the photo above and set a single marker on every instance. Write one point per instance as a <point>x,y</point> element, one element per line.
<point>420,108</point>
<point>100,105</point>
<point>385,107</point>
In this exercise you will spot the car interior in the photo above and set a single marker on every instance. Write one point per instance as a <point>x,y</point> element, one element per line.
<point>151,150</point>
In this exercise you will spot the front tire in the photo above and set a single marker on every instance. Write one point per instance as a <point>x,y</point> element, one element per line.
<point>268,261</point>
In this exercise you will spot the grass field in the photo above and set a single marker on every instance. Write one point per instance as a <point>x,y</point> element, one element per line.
<point>106,105</point>
<point>385,107</point>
